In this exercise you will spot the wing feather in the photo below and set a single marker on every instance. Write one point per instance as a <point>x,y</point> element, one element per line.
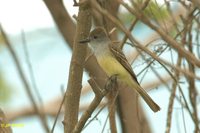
<point>119,55</point>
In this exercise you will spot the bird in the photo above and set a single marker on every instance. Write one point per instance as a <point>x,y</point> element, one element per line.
<point>113,61</point>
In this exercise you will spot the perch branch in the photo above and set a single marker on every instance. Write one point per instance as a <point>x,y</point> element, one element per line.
<point>99,94</point>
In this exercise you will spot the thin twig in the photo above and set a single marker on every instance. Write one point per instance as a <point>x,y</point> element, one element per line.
<point>186,104</point>
<point>182,112</point>
<point>25,82</point>
<point>31,72</point>
<point>192,86</point>
<point>183,52</point>
<point>75,3</point>
<point>133,25</point>
<point>104,126</point>
<point>95,116</point>
<point>59,110</point>
<point>171,99</point>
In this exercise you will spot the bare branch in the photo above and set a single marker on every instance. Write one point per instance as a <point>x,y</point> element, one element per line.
<point>25,82</point>
<point>62,19</point>
<point>133,24</point>
<point>76,69</point>
<point>99,94</point>
<point>163,34</point>
<point>171,100</point>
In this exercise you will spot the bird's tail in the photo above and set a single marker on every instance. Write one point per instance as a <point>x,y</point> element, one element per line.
<point>147,98</point>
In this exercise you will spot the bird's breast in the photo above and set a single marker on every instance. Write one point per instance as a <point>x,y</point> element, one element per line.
<point>111,66</point>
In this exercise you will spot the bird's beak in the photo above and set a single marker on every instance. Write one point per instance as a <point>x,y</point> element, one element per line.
<point>85,40</point>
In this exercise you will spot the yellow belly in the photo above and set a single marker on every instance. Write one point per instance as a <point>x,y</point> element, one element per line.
<point>111,66</point>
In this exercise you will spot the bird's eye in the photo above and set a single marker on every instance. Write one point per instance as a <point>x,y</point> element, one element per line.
<point>95,37</point>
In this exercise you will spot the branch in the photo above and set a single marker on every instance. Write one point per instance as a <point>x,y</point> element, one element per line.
<point>76,69</point>
<point>133,23</point>
<point>112,96</point>
<point>51,109</point>
<point>63,20</point>
<point>163,34</point>
<point>191,81</point>
<point>99,94</point>
<point>25,82</point>
<point>172,97</point>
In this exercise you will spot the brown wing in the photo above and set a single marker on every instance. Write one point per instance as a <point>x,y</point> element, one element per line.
<point>119,55</point>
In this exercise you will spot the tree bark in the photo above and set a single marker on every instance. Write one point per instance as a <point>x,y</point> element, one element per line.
<point>76,69</point>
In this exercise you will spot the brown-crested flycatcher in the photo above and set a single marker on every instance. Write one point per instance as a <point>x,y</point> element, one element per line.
<point>113,61</point>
